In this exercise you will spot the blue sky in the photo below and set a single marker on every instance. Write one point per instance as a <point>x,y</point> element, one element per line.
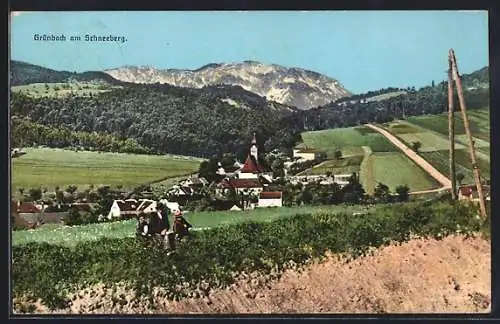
<point>364,50</point>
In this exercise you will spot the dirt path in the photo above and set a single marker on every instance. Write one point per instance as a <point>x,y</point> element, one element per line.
<point>366,170</point>
<point>441,178</point>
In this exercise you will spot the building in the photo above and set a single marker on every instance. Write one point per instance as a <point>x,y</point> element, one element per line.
<point>251,168</point>
<point>241,186</point>
<point>270,199</point>
<point>130,208</point>
<point>307,153</point>
<point>469,192</point>
<point>173,206</point>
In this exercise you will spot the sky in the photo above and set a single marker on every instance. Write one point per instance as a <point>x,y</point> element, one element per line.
<point>363,50</point>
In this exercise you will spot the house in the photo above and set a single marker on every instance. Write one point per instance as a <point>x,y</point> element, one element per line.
<point>130,208</point>
<point>307,153</point>
<point>26,207</point>
<point>194,182</point>
<point>182,190</point>
<point>342,179</point>
<point>469,192</point>
<point>173,206</point>
<point>52,218</point>
<point>241,186</point>
<point>235,208</point>
<point>270,199</point>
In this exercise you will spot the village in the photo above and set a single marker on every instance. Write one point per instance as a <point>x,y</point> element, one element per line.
<point>242,186</point>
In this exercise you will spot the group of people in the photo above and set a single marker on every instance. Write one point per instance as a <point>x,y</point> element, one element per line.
<point>157,222</point>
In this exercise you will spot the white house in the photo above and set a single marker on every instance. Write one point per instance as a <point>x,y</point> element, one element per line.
<point>270,199</point>
<point>181,191</point>
<point>342,179</point>
<point>173,206</point>
<point>131,207</point>
<point>306,153</point>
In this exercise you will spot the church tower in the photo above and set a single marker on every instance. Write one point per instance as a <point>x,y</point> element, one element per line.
<point>253,148</point>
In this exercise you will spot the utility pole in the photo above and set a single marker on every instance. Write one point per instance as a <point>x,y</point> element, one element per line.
<point>451,130</point>
<point>472,151</point>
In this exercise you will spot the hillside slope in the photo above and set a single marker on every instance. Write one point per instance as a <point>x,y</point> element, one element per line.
<point>22,73</point>
<point>164,118</point>
<point>452,275</point>
<point>291,86</point>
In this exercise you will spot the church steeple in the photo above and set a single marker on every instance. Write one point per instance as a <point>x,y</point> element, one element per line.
<point>253,148</point>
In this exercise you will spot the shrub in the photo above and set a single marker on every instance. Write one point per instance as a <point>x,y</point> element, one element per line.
<point>213,257</point>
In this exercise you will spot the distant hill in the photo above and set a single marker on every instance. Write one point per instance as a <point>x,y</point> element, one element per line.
<point>22,73</point>
<point>291,86</point>
<point>164,118</point>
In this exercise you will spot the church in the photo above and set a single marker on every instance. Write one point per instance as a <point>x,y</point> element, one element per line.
<point>251,168</point>
<point>249,177</point>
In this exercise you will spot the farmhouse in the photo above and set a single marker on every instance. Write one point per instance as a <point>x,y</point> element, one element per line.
<point>130,207</point>
<point>28,215</point>
<point>307,153</point>
<point>469,193</point>
<point>270,199</point>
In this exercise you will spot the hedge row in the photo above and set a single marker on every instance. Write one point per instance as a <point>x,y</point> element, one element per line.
<point>212,258</point>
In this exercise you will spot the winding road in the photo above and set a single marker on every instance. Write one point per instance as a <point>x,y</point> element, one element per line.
<point>441,178</point>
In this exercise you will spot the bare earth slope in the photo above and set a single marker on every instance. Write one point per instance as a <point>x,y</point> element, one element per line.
<point>452,275</point>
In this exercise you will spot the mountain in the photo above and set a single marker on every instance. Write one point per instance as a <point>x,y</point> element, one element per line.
<point>291,86</point>
<point>22,73</point>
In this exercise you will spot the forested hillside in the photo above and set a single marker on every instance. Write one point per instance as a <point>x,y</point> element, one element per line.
<point>198,122</point>
<point>203,122</point>
<point>426,100</point>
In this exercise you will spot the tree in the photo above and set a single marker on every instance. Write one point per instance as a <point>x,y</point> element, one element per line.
<point>353,192</point>
<point>71,189</point>
<point>60,196</point>
<point>460,177</point>
<point>338,154</point>
<point>415,146</point>
<point>21,191</point>
<point>382,193</point>
<point>35,194</point>
<point>307,196</point>
<point>403,192</point>
<point>278,167</point>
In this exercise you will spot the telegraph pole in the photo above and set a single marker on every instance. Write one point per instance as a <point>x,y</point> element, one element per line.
<point>463,108</point>
<point>451,130</point>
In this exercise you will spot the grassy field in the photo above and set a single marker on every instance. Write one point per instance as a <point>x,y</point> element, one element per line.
<point>479,120</point>
<point>346,165</point>
<point>61,89</point>
<point>56,167</point>
<point>69,236</point>
<point>432,132</point>
<point>395,169</point>
<point>346,140</point>
<point>439,159</point>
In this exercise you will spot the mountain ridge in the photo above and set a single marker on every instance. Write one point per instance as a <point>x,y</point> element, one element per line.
<point>293,86</point>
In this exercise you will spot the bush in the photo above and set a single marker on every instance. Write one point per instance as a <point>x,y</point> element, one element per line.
<point>214,256</point>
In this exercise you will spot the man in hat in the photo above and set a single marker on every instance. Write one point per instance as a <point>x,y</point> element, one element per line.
<point>181,226</point>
